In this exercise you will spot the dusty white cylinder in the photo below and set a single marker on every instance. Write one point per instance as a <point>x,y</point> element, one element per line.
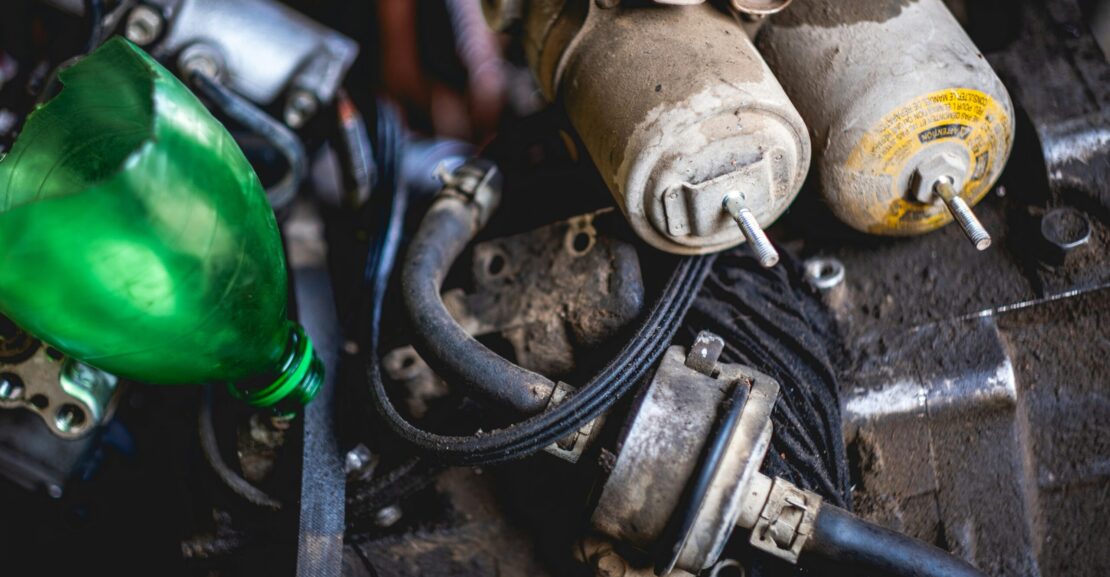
<point>896,97</point>
<point>677,108</point>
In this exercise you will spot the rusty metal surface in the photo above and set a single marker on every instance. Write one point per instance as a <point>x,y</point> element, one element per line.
<point>553,292</point>
<point>472,536</point>
<point>989,436</point>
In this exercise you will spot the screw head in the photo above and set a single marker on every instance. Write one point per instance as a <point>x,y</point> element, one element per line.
<point>69,418</point>
<point>144,25</point>
<point>11,387</point>
<point>300,108</point>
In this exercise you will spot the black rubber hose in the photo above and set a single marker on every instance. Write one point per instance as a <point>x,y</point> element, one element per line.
<point>842,537</point>
<point>445,346</point>
<point>254,119</point>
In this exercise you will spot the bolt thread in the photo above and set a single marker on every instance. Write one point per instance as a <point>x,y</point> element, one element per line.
<point>764,250</point>
<point>971,226</point>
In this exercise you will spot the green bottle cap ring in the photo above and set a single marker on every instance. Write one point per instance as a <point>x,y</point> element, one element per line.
<point>299,381</point>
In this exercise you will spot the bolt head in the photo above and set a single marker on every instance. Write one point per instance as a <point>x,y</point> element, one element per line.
<point>203,59</point>
<point>1065,231</point>
<point>609,564</point>
<point>11,387</point>
<point>300,108</point>
<point>144,25</point>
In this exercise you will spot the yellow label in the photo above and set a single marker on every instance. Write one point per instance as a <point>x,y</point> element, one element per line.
<point>968,117</point>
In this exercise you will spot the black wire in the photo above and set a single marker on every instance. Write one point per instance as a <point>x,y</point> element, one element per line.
<point>251,117</point>
<point>211,449</point>
<point>94,13</point>
<point>681,523</point>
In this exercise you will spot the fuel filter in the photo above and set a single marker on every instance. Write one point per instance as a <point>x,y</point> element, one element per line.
<point>912,126</point>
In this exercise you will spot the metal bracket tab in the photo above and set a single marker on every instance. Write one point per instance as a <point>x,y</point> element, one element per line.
<point>573,445</point>
<point>786,521</point>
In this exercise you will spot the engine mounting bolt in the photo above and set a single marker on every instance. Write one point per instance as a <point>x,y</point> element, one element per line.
<point>144,25</point>
<point>962,213</point>
<point>764,250</point>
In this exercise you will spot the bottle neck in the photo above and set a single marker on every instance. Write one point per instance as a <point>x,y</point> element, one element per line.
<point>298,379</point>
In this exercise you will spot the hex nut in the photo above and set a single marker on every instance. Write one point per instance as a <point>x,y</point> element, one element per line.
<point>931,170</point>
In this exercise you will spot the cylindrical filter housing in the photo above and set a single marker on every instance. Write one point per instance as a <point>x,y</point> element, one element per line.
<point>677,109</point>
<point>899,100</point>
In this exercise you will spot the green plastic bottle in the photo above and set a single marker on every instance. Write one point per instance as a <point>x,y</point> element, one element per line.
<point>136,237</point>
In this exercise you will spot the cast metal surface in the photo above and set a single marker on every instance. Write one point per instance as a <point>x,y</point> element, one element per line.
<point>553,292</point>
<point>1053,65</point>
<point>264,49</point>
<point>72,398</point>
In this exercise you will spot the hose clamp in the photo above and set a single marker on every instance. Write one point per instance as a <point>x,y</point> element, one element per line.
<point>786,521</point>
<point>476,182</point>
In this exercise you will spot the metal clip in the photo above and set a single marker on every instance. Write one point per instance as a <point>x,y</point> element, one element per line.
<point>786,521</point>
<point>571,447</point>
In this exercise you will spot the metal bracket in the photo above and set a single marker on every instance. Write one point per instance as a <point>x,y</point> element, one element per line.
<point>71,398</point>
<point>786,521</point>
<point>704,354</point>
<point>573,445</point>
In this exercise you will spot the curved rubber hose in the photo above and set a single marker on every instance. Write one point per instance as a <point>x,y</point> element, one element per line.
<point>531,436</point>
<point>452,352</point>
<point>251,117</point>
<point>840,536</point>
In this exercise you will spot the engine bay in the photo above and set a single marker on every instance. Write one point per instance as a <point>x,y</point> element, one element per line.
<point>608,288</point>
